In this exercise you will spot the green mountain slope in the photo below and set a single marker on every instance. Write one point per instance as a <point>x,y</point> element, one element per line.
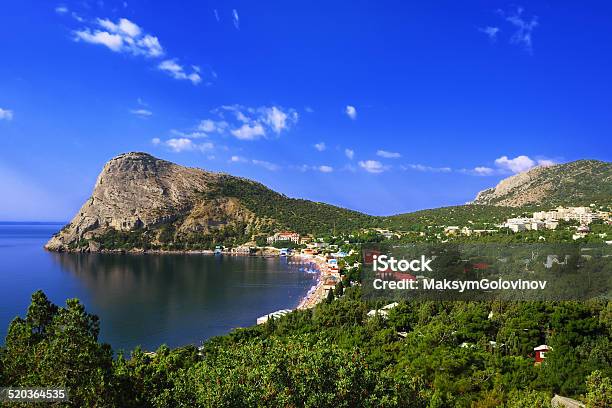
<point>141,202</point>
<point>581,182</point>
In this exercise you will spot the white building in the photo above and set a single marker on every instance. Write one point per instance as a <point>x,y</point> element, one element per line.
<point>518,224</point>
<point>273,315</point>
<point>284,236</point>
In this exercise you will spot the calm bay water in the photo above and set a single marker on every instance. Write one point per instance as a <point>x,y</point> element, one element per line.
<point>145,299</point>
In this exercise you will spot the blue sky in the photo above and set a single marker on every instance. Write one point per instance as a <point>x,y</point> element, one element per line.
<point>382,107</point>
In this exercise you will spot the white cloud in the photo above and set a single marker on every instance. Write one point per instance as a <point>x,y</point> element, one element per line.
<point>546,162</point>
<point>249,132</point>
<point>372,166</point>
<point>246,123</point>
<point>491,32</point>
<point>151,45</point>
<point>516,165</point>
<point>216,13</point>
<point>521,163</point>
<point>61,9</point>
<point>178,145</point>
<point>113,42</point>
<point>351,112</point>
<point>77,17</point>
<point>177,71</point>
<point>236,19</point>
<point>143,113</point>
<point>423,168</point>
<point>277,119</point>
<point>349,153</point>
<point>388,155</point>
<point>320,146</point>
<point>322,168</point>
<point>123,36</point>
<point>6,114</point>
<point>237,159</point>
<point>123,26</point>
<point>524,28</point>
<point>266,165</point>
<point>189,135</point>
<point>183,144</point>
<point>482,171</point>
<point>308,109</point>
<point>212,126</point>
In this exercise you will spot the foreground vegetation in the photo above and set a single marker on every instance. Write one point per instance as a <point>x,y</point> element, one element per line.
<point>332,356</point>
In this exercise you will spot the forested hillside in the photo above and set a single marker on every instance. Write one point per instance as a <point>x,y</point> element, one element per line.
<point>425,354</point>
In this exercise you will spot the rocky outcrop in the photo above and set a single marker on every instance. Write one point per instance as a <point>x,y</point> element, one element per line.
<point>581,183</point>
<point>142,203</point>
<point>138,192</point>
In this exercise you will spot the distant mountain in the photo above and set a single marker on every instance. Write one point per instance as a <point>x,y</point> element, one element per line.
<point>454,215</point>
<point>143,202</point>
<point>581,182</point>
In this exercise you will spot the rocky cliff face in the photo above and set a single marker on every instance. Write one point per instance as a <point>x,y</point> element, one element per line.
<point>140,202</point>
<point>576,183</point>
<point>136,192</point>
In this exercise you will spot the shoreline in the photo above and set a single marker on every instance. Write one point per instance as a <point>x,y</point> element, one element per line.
<point>265,252</point>
<point>316,293</point>
<point>313,297</point>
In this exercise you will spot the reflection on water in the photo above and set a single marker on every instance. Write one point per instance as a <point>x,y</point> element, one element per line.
<point>152,299</point>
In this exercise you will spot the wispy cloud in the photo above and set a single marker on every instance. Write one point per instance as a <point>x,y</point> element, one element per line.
<point>177,71</point>
<point>61,9</point>
<point>320,146</point>
<point>216,13</point>
<point>483,171</point>
<point>6,114</point>
<point>249,132</point>
<point>266,165</point>
<point>388,155</point>
<point>237,159</point>
<point>478,171</point>
<point>122,36</point>
<point>246,123</point>
<point>349,153</point>
<point>373,166</point>
<point>143,113</point>
<point>490,31</point>
<point>261,163</point>
<point>213,126</point>
<point>505,165</point>
<point>236,19</point>
<point>424,168</point>
<point>189,134</point>
<point>321,168</point>
<point>125,36</point>
<point>521,163</point>
<point>183,144</point>
<point>524,28</point>
<point>351,112</point>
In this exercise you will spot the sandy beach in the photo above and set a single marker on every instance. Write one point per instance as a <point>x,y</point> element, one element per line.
<point>317,293</point>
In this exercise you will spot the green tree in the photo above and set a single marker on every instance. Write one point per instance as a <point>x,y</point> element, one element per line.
<point>599,391</point>
<point>58,347</point>
<point>330,296</point>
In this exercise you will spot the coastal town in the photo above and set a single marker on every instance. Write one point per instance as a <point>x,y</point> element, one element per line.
<point>334,258</point>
